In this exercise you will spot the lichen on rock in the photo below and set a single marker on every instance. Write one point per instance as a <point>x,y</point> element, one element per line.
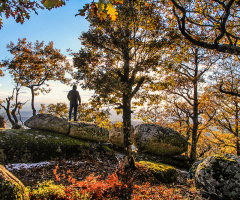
<point>159,140</point>
<point>219,176</point>
<point>88,131</point>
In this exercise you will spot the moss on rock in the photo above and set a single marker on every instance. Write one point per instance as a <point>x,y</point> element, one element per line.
<point>164,173</point>
<point>32,145</point>
<point>10,186</point>
<point>159,140</point>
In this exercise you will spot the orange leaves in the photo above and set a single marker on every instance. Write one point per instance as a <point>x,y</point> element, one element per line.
<point>97,188</point>
<point>117,1</point>
<point>55,170</point>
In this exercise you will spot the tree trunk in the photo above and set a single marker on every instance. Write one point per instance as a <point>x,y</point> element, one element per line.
<point>128,159</point>
<point>32,103</point>
<point>193,153</point>
<point>238,146</point>
<point>14,115</point>
<point>9,113</point>
<point>126,102</point>
<point>236,126</point>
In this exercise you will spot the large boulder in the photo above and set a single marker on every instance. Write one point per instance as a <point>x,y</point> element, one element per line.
<point>159,140</point>
<point>10,186</point>
<point>3,123</point>
<point>48,122</point>
<point>88,131</point>
<point>218,177</point>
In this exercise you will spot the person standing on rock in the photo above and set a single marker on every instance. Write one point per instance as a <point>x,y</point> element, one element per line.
<point>75,100</point>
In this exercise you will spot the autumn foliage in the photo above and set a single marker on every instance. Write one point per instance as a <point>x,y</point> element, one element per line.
<point>140,184</point>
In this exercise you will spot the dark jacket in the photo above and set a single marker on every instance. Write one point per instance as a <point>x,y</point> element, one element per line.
<point>74,97</point>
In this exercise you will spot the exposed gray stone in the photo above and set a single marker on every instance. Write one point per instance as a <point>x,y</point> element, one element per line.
<point>219,176</point>
<point>10,186</point>
<point>116,136</point>
<point>158,140</point>
<point>48,122</point>
<point>88,131</point>
<point>193,169</point>
<point>3,123</point>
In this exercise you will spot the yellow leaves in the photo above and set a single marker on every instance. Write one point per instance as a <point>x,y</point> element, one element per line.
<point>107,124</point>
<point>111,11</point>
<point>101,10</point>
<point>118,124</point>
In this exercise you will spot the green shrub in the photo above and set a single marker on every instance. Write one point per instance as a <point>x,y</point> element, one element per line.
<point>49,190</point>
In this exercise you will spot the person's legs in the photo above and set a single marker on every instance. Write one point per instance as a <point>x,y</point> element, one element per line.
<point>75,112</point>
<point>70,112</point>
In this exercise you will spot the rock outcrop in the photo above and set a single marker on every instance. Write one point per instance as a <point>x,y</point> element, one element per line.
<point>88,131</point>
<point>80,130</point>
<point>159,140</point>
<point>3,123</point>
<point>48,122</point>
<point>218,177</point>
<point>10,186</point>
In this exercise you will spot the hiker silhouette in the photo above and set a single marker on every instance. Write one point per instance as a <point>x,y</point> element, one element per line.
<point>75,100</point>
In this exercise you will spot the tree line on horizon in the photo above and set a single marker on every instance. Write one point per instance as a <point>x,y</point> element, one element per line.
<point>179,60</point>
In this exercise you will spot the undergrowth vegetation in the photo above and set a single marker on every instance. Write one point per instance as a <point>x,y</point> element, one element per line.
<point>137,184</point>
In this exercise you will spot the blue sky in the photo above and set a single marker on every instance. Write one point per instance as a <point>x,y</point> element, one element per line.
<point>58,25</point>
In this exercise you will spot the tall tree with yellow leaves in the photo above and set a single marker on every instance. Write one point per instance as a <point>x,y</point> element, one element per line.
<point>186,66</point>
<point>119,57</point>
<point>227,106</point>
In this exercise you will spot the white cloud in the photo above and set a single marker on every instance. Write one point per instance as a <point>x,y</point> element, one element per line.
<point>0,85</point>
